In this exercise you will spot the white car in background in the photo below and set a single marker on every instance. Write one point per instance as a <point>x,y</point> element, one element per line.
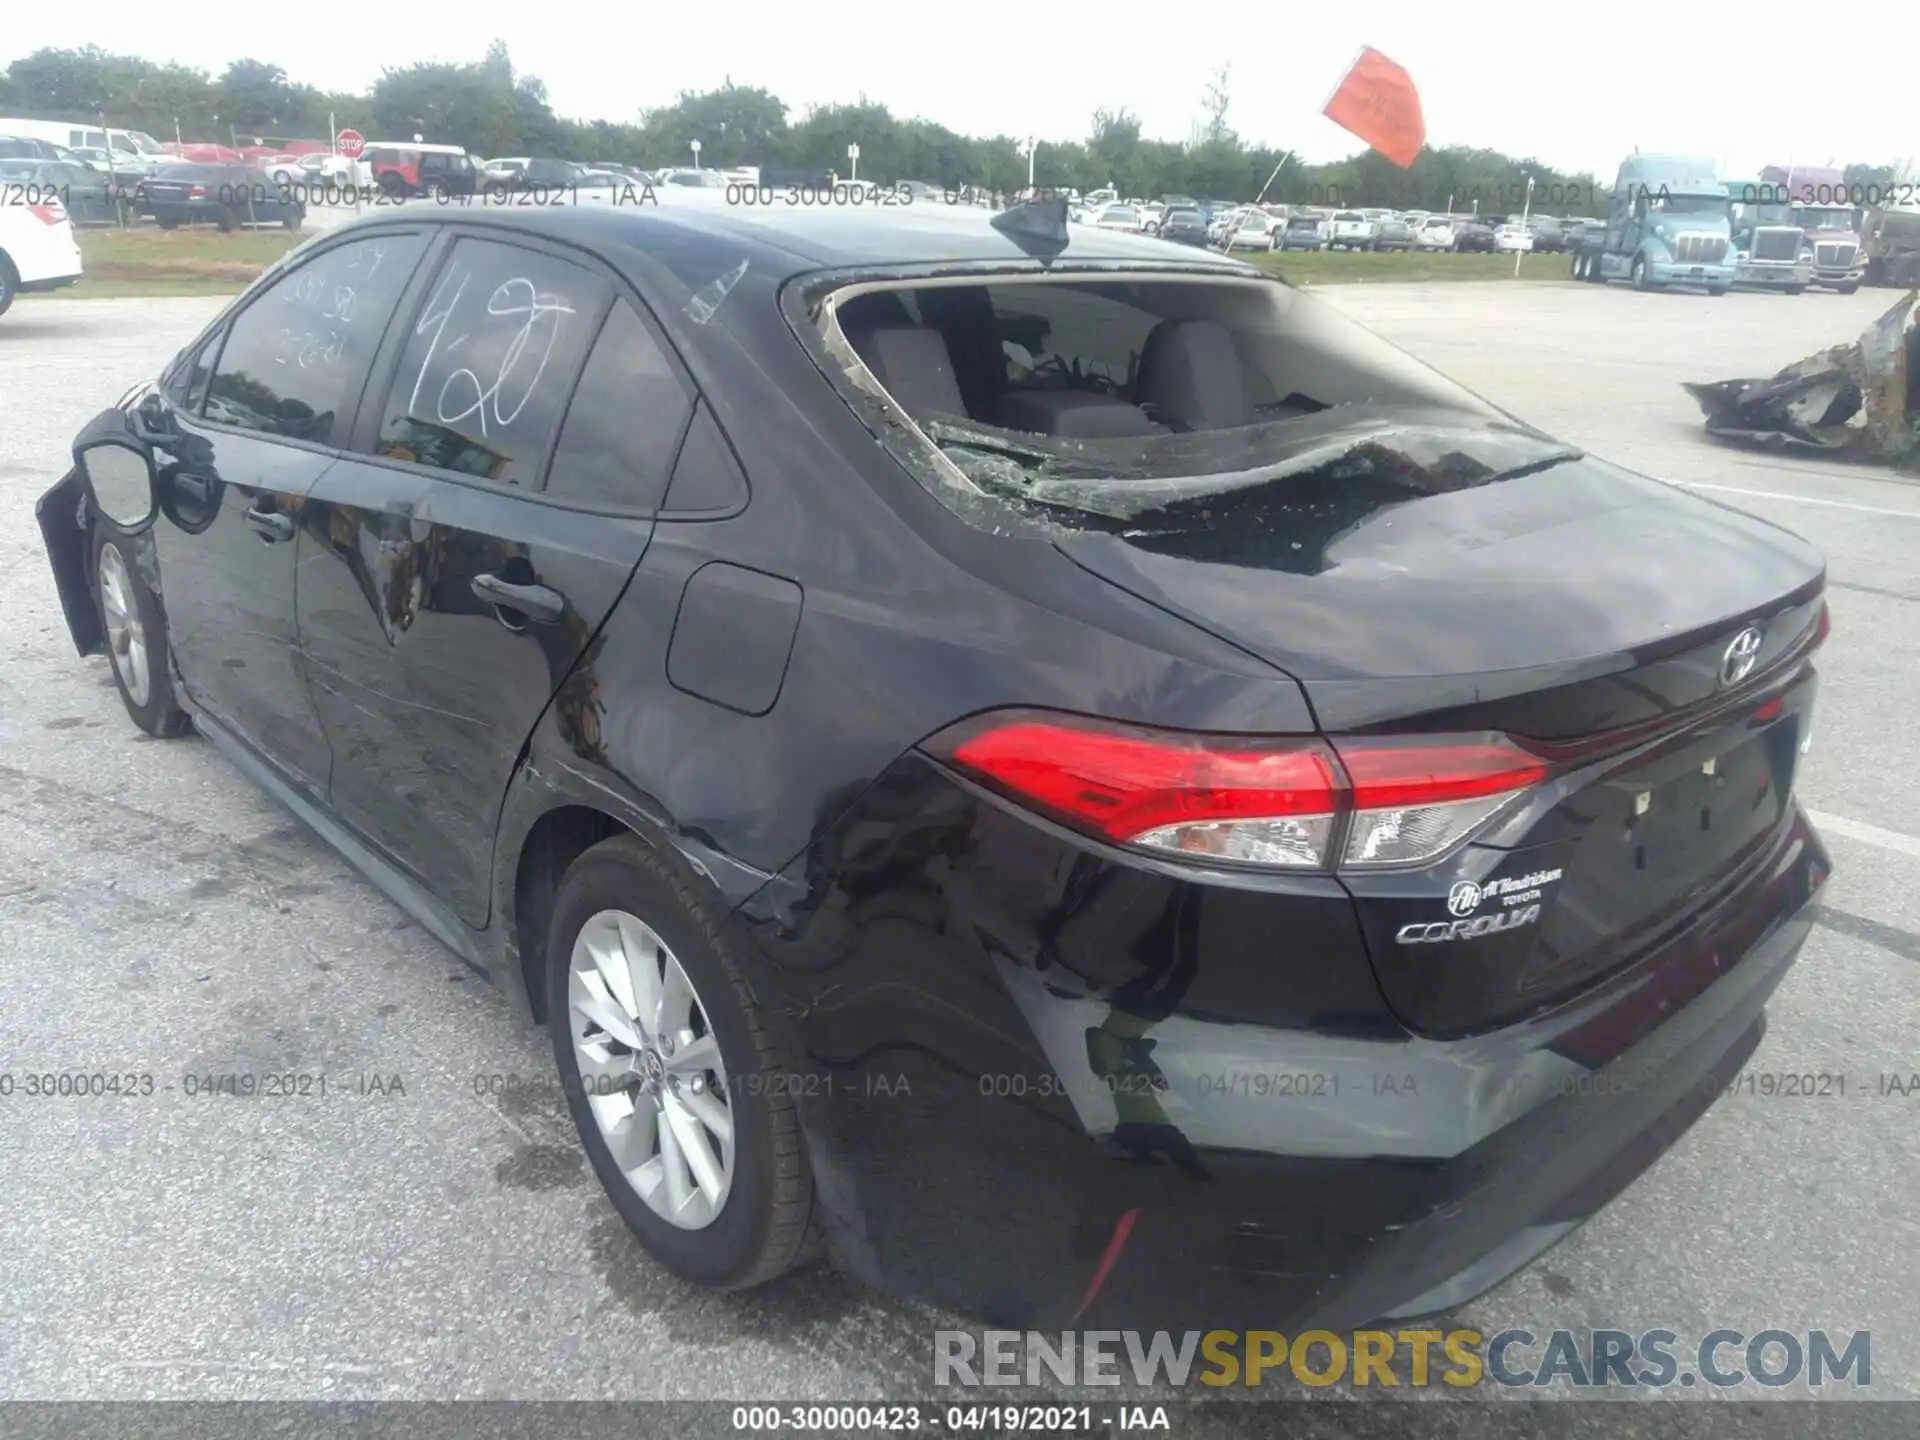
<point>1511,238</point>
<point>37,250</point>
<point>1435,234</point>
<point>1351,231</point>
<point>1118,217</point>
<point>1256,230</point>
<point>1151,214</point>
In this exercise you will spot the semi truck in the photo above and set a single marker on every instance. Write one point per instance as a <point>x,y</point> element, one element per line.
<point>1769,250</point>
<point>1667,224</point>
<point>1890,246</point>
<point>1827,210</point>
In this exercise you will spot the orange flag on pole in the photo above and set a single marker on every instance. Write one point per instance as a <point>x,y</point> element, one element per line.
<point>1378,103</point>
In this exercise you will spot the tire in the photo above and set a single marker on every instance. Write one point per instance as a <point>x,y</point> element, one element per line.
<point>9,283</point>
<point>764,1221</point>
<point>1716,291</point>
<point>293,220</point>
<point>228,221</point>
<point>1793,289</point>
<point>1579,267</point>
<point>1638,273</point>
<point>1850,289</point>
<point>127,606</point>
<point>167,222</point>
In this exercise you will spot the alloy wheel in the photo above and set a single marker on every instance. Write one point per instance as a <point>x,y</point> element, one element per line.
<point>651,1069</point>
<point>126,635</point>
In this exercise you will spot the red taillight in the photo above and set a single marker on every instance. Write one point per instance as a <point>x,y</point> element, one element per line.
<point>1393,774</point>
<point>52,212</point>
<point>1824,626</point>
<point>198,192</point>
<point>1270,801</point>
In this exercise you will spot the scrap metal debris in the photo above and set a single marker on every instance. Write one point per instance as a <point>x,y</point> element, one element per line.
<point>1861,401</point>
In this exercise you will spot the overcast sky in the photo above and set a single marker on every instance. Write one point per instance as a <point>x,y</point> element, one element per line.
<point>1556,81</point>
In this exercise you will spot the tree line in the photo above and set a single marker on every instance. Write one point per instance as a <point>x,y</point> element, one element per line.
<point>492,109</point>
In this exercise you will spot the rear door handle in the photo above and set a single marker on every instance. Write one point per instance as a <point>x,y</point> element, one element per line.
<point>270,526</point>
<point>538,603</point>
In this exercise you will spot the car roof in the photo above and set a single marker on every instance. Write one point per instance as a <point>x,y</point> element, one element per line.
<point>784,242</point>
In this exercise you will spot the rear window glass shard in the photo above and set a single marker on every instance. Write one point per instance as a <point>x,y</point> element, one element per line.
<point>1117,399</point>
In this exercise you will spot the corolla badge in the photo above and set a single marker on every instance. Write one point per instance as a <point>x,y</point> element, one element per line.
<point>1742,654</point>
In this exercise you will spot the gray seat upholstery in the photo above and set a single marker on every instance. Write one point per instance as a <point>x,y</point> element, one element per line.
<point>1192,378</point>
<point>1075,414</point>
<point>913,363</point>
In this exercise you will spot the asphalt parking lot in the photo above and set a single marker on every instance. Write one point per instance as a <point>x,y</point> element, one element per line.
<point>428,1238</point>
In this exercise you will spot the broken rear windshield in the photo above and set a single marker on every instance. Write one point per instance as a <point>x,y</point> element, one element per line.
<point>1120,398</point>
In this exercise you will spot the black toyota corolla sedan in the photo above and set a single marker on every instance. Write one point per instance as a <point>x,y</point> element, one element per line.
<point>1060,769</point>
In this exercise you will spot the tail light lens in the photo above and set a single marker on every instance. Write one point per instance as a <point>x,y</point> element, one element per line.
<point>1286,802</point>
<point>52,212</point>
<point>198,192</point>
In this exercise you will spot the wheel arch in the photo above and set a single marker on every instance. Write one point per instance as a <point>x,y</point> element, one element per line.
<point>553,813</point>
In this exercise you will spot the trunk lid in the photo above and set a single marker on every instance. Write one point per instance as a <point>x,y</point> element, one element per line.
<point>1600,617</point>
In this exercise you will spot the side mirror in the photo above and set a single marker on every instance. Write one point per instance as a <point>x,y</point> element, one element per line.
<point>121,477</point>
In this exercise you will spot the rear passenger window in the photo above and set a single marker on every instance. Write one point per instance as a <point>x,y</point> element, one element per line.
<point>299,353</point>
<point>624,425</point>
<point>484,377</point>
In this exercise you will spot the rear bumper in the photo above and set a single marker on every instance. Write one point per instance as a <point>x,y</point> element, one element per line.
<point>55,282</point>
<point>1044,1085</point>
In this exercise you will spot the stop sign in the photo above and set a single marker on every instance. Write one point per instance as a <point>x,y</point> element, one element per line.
<point>350,143</point>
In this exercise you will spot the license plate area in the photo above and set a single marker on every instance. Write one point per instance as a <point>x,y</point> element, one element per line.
<point>1659,833</point>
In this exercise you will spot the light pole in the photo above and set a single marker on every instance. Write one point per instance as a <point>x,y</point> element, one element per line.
<point>696,154</point>
<point>1526,209</point>
<point>1031,149</point>
<point>853,164</point>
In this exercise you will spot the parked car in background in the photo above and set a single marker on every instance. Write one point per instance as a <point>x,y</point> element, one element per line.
<point>1118,217</point>
<point>37,250</point>
<point>1390,232</point>
<point>31,147</point>
<point>1304,232</point>
<point>1549,234</point>
<point>1471,236</point>
<point>1512,238</point>
<point>1351,230</point>
<point>129,166</point>
<point>400,171</point>
<point>1184,226</point>
<point>230,196</point>
<point>91,197</point>
<point>1436,233</point>
<point>536,174</point>
<point>1253,231</point>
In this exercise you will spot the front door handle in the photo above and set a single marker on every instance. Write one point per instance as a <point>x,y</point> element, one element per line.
<point>538,603</point>
<point>270,526</point>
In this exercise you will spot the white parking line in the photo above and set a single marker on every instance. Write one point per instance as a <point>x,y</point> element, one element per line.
<point>1866,834</point>
<point>1802,500</point>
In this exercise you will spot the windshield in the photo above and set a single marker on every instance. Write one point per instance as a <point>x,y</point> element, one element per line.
<point>19,169</point>
<point>1303,222</point>
<point>1688,204</point>
<point>1122,213</point>
<point>1119,398</point>
<point>1808,218</point>
<point>145,143</point>
<point>1347,217</point>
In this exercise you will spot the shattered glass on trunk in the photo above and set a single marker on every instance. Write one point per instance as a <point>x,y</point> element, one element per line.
<point>1860,401</point>
<point>1414,452</point>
